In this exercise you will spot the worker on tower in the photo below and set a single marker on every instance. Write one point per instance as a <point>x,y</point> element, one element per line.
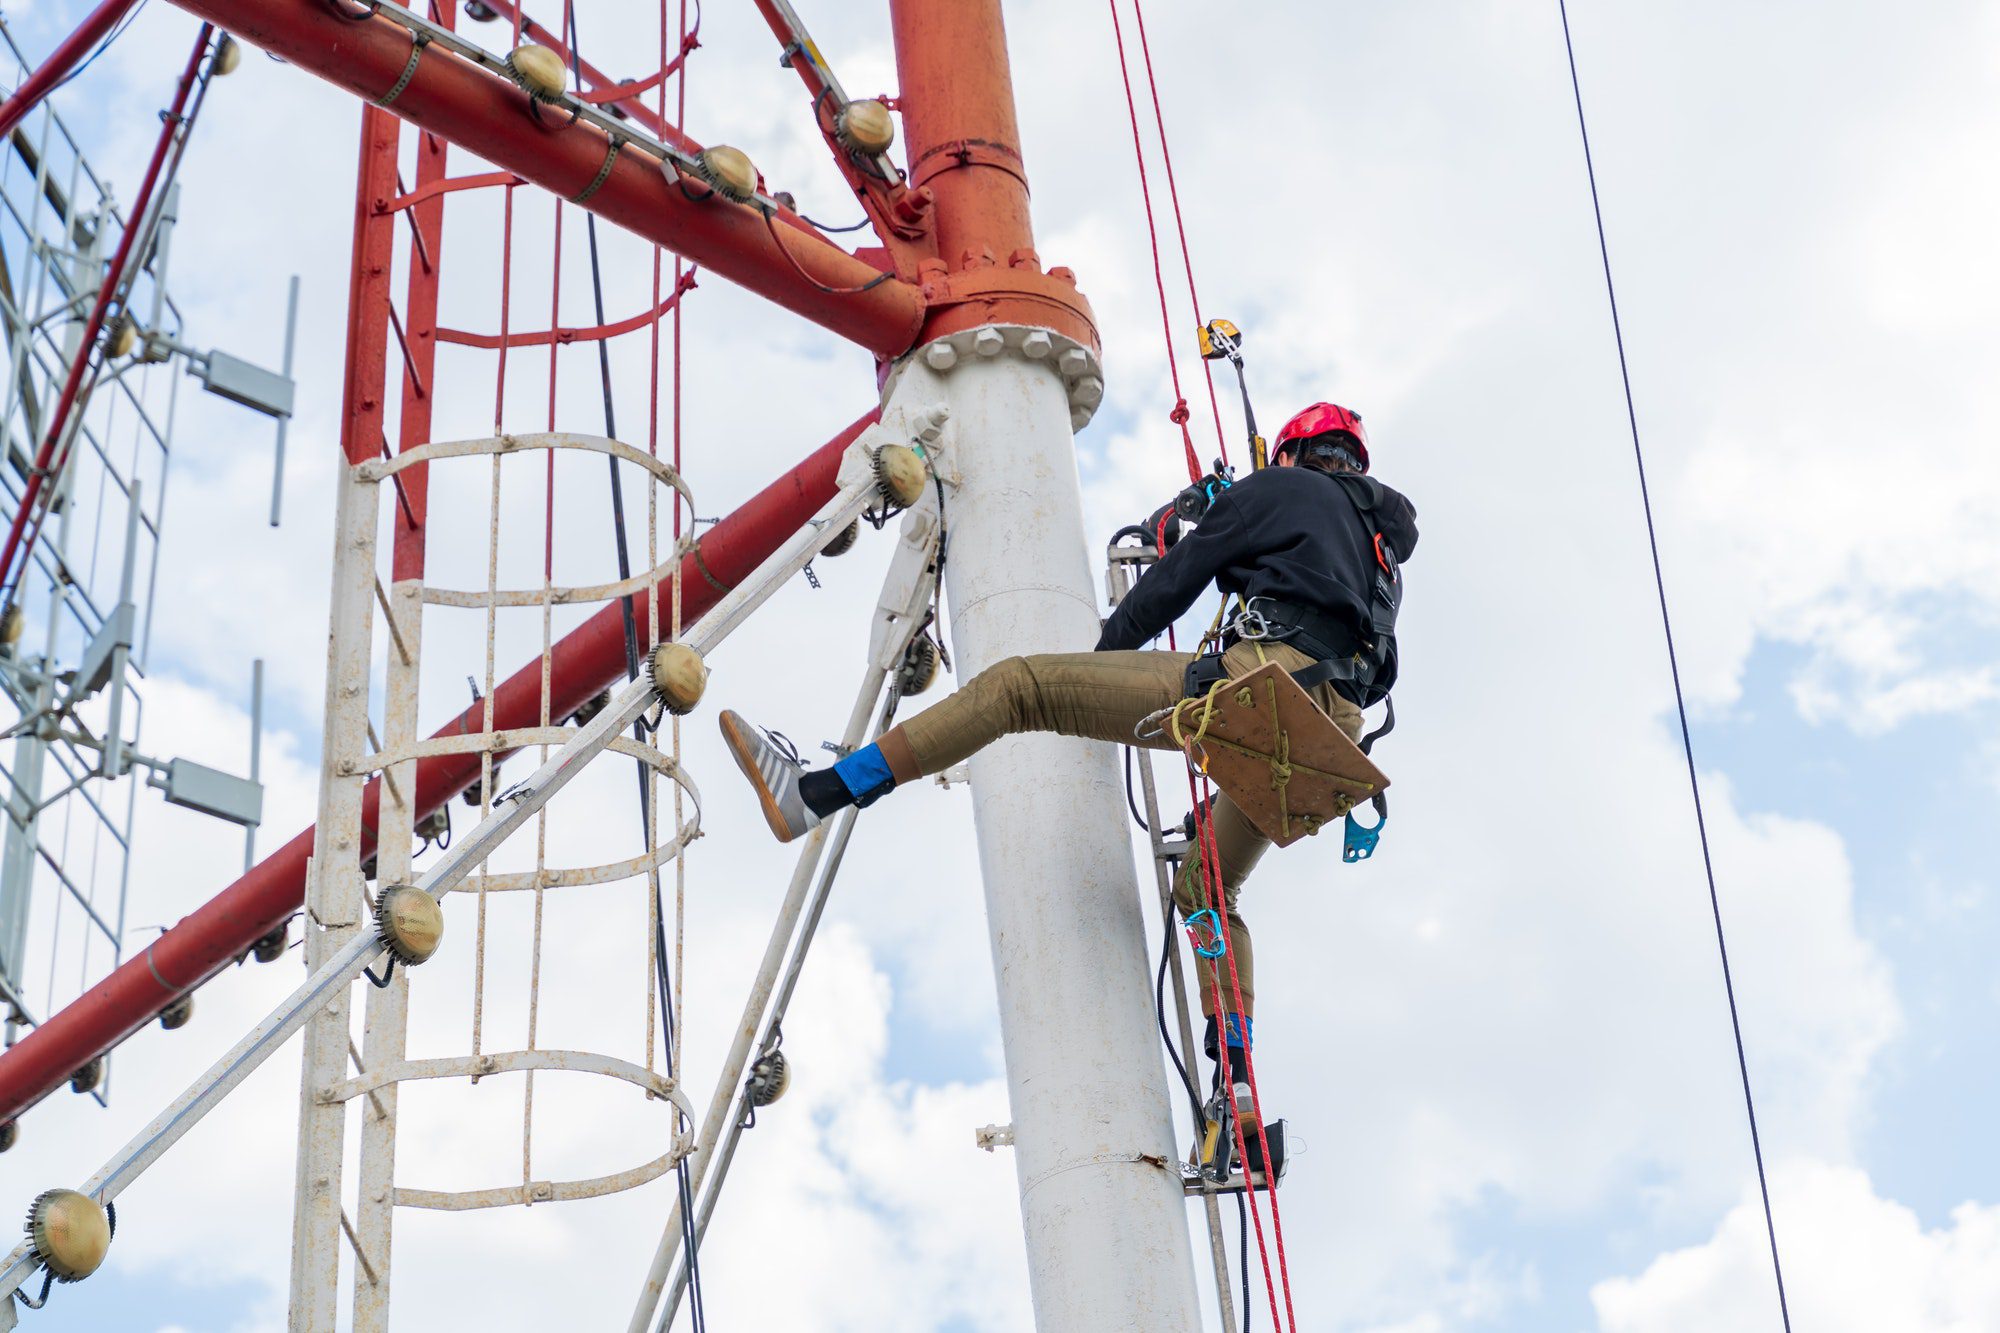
<point>1311,546</point>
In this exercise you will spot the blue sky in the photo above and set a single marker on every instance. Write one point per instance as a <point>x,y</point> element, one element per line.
<point>1504,1038</point>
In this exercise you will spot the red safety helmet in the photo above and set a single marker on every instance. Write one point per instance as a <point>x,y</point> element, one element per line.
<point>1319,419</point>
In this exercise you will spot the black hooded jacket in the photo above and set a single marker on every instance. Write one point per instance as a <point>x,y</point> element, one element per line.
<point>1294,534</point>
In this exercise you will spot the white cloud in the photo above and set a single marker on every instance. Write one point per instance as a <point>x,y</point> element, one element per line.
<point>1854,1263</point>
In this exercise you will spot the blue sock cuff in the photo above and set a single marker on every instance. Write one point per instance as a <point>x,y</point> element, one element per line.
<point>1241,1030</point>
<point>866,775</point>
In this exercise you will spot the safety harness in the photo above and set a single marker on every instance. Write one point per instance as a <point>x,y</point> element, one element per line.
<point>1338,652</point>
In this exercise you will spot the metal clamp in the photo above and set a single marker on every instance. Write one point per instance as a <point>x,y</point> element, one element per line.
<point>418,41</point>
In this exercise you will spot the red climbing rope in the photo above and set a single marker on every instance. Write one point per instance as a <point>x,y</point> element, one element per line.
<point>1174,197</point>
<point>1217,899</point>
<point>1179,416</point>
<point>1199,788</point>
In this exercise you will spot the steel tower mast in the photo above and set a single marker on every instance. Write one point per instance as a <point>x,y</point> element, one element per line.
<point>1013,352</point>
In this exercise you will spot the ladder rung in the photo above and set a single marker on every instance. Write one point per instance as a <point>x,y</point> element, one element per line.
<point>1196,1186</point>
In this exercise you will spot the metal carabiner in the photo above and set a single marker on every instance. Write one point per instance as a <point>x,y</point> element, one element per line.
<point>1250,625</point>
<point>1208,916</point>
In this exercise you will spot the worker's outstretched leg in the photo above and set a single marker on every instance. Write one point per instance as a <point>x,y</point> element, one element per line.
<point>1100,696</point>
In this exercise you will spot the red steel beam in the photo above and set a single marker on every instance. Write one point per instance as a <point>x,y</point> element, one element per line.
<point>75,47</point>
<point>88,354</point>
<point>963,144</point>
<point>487,115</point>
<point>962,137</point>
<point>597,81</point>
<point>584,662</point>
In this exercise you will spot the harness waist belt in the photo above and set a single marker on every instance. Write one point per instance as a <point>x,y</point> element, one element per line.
<point>1309,629</point>
<point>1334,645</point>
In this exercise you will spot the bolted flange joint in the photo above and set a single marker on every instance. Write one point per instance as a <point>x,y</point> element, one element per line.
<point>409,923</point>
<point>71,1233</point>
<point>680,676</point>
<point>1077,364</point>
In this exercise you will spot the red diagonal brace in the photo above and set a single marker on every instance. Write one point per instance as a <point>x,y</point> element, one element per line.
<point>485,113</point>
<point>88,357</point>
<point>75,48</point>
<point>584,662</point>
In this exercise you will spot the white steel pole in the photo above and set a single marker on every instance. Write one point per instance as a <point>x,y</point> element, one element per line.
<point>385,1030</point>
<point>335,905</point>
<point>1101,1197</point>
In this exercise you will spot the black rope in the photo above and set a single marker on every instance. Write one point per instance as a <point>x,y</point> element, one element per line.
<point>1243,1258</point>
<point>857,226</point>
<point>1131,799</point>
<point>1673,665</point>
<point>1160,1017</point>
<point>123,25</point>
<point>661,977</point>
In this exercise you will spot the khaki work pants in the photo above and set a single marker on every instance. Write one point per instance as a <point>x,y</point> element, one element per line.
<point>1103,696</point>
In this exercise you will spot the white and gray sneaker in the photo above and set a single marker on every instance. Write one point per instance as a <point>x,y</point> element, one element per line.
<point>773,766</point>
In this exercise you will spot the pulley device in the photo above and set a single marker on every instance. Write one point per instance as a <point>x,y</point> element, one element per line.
<point>1222,341</point>
<point>1164,526</point>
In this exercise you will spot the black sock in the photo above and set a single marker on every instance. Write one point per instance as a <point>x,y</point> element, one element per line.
<point>824,792</point>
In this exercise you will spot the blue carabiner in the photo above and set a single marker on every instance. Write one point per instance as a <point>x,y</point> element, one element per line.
<point>1221,945</point>
<point>1359,842</point>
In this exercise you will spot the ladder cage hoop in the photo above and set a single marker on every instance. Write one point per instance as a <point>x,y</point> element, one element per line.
<point>486,1065</point>
<point>376,470</point>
